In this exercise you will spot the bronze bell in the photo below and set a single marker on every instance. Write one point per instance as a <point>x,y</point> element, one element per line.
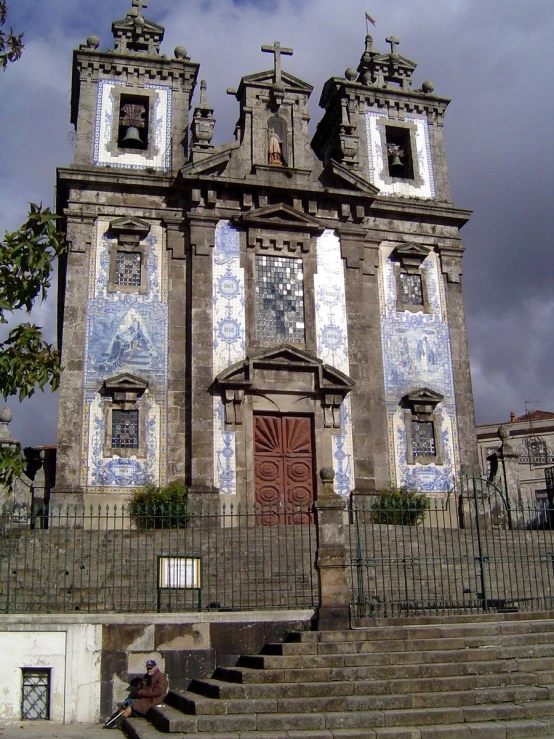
<point>132,139</point>
<point>396,162</point>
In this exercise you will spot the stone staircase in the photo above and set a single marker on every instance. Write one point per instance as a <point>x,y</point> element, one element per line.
<point>467,678</point>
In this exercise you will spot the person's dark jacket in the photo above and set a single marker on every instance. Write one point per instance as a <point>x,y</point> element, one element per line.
<point>153,691</point>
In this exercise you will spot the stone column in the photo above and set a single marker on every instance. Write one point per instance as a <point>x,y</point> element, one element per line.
<point>333,612</point>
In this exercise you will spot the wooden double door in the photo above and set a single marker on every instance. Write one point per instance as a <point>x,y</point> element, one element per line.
<point>284,468</point>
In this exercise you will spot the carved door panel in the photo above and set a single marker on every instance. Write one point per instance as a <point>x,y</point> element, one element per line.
<point>283,468</point>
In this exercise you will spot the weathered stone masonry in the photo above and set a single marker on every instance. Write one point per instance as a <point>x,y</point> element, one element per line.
<point>242,316</point>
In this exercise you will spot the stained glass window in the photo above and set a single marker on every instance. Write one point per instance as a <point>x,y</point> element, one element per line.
<point>125,434</point>
<point>423,439</point>
<point>35,694</point>
<point>412,289</point>
<point>280,299</point>
<point>127,268</point>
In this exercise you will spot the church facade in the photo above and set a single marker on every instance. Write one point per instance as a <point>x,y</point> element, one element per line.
<point>241,316</point>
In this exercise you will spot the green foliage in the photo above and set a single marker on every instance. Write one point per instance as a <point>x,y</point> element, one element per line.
<point>159,508</point>
<point>11,44</point>
<point>26,360</point>
<point>399,507</point>
<point>12,465</point>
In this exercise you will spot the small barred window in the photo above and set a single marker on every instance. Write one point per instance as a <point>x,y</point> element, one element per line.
<point>35,694</point>
<point>423,439</point>
<point>128,268</point>
<point>412,289</point>
<point>125,431</point>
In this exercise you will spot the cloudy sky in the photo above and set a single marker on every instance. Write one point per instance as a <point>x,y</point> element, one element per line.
<point>493,58</point>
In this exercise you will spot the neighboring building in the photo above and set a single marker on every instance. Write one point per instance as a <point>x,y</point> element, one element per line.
<point>532,441</point>
<point>244,315</point>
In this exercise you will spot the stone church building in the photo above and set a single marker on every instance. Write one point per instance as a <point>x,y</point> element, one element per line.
<point>242,316</point>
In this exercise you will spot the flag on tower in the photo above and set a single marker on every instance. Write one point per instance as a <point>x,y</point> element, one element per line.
<point>370,19</point>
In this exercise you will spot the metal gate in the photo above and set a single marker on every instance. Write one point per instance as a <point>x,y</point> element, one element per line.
<point>472,552</point>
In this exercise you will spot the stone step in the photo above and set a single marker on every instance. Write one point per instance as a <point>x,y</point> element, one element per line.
<point>502,729</point>
<point>408,644</point>
<point>218,689</point>
<point>437,670</point>
<point>452,629</point>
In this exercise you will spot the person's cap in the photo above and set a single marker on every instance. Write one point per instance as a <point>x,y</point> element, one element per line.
<point>151,663</point>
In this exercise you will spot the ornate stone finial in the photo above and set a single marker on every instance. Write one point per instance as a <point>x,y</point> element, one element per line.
<point>203,99</point>
<point>327,474</point>
<point>93,42</point>
<point>6,416</point>
<point>180,52</point>
<point>504,435</point>
<point>393,41</point>
<point>277,50</point>
<point>203,123</point>
<point>427,87</point>
<point>351,74</point>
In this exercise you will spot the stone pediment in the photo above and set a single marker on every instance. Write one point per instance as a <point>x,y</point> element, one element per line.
<point>345,178</point>
<point>129,224</point>
<point>284,370</point>
<point>215,163</point>
<point>410,255</point>
<point>281,216</point>
<point>129,24</point>
<point>124,383</point>
<point>285,359</point>
<point>422,401</point>
<point>267,79</point>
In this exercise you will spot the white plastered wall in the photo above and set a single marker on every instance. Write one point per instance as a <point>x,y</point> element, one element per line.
<point>73,655</point>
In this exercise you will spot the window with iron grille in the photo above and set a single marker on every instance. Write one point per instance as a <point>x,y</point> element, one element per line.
<point>423,439</point>
<point>35,693</point>
<point>128,268</point>
<point>125,429</point>
<point>411,289</point>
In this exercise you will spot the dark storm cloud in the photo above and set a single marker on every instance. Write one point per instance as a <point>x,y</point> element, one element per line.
<point>493,59</point>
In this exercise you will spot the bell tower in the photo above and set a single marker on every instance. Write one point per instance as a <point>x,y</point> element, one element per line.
<point>130,107</point>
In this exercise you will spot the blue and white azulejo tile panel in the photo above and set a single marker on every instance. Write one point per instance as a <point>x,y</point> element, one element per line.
<point>332,345</point>
<point>229,341</point>
<point>416,354</point>
<point>160,129</point>
<point>377,158</point>
<point>125,332</point>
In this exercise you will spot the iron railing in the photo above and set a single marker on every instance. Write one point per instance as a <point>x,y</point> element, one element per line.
<point>102,560</point>
<point>472,552</point>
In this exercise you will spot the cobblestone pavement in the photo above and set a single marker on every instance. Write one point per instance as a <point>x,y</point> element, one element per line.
<point>48,730</point>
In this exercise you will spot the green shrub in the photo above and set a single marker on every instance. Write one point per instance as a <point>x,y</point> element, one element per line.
<point>157,508</point>
<point>399,507</point>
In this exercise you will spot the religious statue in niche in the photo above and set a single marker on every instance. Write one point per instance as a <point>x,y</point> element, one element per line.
<point>276,142</point>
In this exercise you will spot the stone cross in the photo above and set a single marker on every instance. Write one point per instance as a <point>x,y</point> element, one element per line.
<point>277,50</point>
<point>139,5</point>
<point>393,41</point>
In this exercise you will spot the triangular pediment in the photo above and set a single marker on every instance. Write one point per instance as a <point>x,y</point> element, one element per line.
<point>285,358</point>
<point>129,224</point>
<point>281,216</point>
<point>395,59</point>
<point>424,395</point>
<point>125,382</point>
<point>413,250</point>
<point>267,78</point>
<point>215,163</point>
<point>347,179</point>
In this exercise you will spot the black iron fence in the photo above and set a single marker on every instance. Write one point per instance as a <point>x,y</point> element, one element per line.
<point>103,560</point>
<point>471,552</point>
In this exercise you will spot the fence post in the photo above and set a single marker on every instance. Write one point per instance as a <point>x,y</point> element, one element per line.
<point>333,611</point>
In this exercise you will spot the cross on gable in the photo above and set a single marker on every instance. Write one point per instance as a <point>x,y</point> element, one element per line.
<point>277,50</point>
<point>393,41</point>
<point>139,5</point>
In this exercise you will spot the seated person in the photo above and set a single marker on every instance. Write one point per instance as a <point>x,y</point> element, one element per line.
<point>151,692</point>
